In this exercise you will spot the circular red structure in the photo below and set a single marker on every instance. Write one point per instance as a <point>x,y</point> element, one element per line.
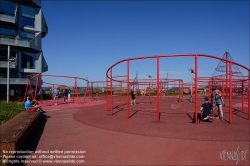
<point>227,83</point>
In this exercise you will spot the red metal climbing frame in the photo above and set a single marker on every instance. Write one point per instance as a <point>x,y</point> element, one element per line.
<point>228,81</point>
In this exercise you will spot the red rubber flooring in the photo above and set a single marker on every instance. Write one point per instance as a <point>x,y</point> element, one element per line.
<point>140,140</point>
<point>176,121</point>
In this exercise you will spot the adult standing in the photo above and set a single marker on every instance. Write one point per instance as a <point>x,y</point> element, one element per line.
<point>65,95</point>
<point>205,92</point>
<point>69,94</point>
<point>219,102</point>
<point>56,93</point>
<point>133,97</point>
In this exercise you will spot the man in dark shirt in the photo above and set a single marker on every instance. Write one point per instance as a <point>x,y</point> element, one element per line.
<point>206,109</point>
<point>133,97</point>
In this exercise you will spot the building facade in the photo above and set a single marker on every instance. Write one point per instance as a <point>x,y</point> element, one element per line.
<point>22,27</point>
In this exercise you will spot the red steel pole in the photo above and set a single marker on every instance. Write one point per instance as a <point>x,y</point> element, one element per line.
<point>111,93</point>
<point>196,95</point>
<point>179,92</point>
<point>158,97</point>
<point>107,100</point>
<point>128,84</point>
<point>231,94</point>
<point>242,96</point>
<point>120,93</point>
<point>226,75</point>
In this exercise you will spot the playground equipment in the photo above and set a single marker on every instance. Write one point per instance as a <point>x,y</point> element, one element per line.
<point>229,80</point>
<point>36,80</point>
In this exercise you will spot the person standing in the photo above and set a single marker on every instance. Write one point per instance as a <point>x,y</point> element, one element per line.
<point>133,97</point>
<point>205,92</point>
<point>65,95</point>
<point>69,94</point>
<point>219,102</point>
<point>191,93</point>
<point>56,93</point>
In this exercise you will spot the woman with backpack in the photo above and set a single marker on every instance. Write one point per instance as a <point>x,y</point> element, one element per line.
<point>219,102</point>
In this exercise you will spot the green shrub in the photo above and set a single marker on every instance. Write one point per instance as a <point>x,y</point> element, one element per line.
<point>9,110</point>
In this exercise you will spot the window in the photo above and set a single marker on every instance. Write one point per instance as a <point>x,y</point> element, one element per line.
<point>28,16</point>
<point>7,33</point>
<point>12,75</point>
<point>7,8</point>
<point>4,53</point>
<point>24,75</point>
<point>4,75</point>
<point>28,60</point>
<point>25,36</point>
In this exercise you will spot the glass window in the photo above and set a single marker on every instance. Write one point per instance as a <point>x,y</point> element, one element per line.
<point>12,75</point>
<point>3,75</point>
<point>26,36</point>
<point>7,7</point>
<point>5,31</point>
<point>28,11</point>
<point>28,22</point>
<point>4,53</point>
<point>28,60</point>
<point>24,75</point>
<point>28,16</point>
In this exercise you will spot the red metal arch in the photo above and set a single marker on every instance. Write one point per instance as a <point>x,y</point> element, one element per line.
<point>157,57</point>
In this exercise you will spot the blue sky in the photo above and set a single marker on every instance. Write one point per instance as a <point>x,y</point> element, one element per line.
<point>86,37</point>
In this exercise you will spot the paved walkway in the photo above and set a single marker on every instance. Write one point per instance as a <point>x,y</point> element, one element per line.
<point>60,131</point>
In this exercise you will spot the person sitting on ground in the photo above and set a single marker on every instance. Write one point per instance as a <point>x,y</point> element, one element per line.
<point>206,109</point>
<point>32,106</point>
